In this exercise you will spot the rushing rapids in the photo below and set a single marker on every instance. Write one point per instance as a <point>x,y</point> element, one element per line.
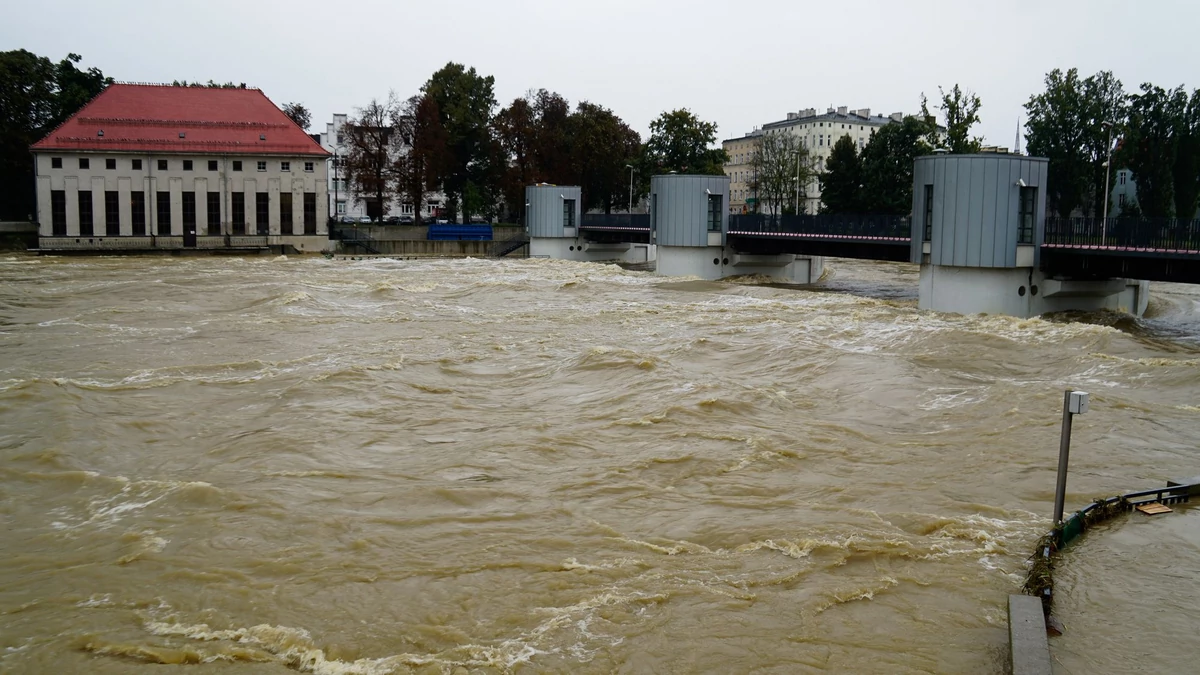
<point>536,466</point>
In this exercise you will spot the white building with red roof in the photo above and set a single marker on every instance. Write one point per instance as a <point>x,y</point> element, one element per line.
<point>154,166</point>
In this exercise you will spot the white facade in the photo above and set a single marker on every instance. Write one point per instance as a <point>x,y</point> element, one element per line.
<point>177,189</point>
<point>344,202</point>
<point>817,133</point>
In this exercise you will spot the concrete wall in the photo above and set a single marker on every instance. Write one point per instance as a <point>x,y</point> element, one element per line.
<point>151,180</point>
<point>976,202</point>
<point>419,232</point>
<point>581,250</point>
<point>1023,292</point>
<point>544,210</point>
<point>679,209</point>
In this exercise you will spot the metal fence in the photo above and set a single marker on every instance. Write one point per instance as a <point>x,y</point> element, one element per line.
<point>624,221</point>
<point>826,225</point>
<point>1168,235</point>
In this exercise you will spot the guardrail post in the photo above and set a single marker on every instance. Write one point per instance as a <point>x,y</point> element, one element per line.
<point>1074,403</point>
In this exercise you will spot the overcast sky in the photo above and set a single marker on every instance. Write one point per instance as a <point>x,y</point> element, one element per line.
<point>737,63</point>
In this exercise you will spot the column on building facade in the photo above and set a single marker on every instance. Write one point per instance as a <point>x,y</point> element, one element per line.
<point>298,206</point>
<point>71,188</point>
<point>151,204</point>
<point>274,224</point>
<point>45,214</point>
<point>99,221</point>
<point>322,185</point>
<point>201,188</point>
<point>124,188</point>
<point>176,189</point>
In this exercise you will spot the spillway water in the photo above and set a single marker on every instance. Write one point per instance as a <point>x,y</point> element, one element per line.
<point>533,466</point>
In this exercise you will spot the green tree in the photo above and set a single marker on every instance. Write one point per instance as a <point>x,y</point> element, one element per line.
<point>960,110</point>
<point>887,165</point>
<point>1151,144</point>
<point>841,183</point>
<point>465,102</point>
<point>1105,113</point>
<point>423,153</point>
<point>602,146</point>
<point>36,95</point>
<point>681,142</point>
<point>1186,170</point>
<point>1055,129</point>
<point>297,113</point>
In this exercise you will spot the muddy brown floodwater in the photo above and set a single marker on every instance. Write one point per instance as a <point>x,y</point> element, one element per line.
<point>529,466</point>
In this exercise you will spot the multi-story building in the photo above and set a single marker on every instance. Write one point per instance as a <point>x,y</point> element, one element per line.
<point>345,203</point>
<point>740,169</point>
<point>817,132</point>
<point>189,162</point>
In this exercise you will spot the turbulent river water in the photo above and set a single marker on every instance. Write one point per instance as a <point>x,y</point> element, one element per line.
<point>530,466</point>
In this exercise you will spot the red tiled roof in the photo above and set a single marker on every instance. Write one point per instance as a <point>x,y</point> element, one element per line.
<point>152,118</point>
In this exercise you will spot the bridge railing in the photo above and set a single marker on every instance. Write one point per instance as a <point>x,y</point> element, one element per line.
<point>1174,235</point>
<point>630,221</point>
<point>826,225</point>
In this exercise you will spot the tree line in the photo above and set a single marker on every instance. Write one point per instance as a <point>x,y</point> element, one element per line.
<point>452,137</point>
<point>1088,128</point>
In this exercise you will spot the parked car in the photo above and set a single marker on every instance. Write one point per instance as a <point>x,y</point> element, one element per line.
<point>407,220</point>
<point>364,220</point>
<point>347,219</point>
<point>392,220</point>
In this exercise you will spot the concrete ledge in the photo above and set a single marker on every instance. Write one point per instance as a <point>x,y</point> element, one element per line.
<point>1027,636</point>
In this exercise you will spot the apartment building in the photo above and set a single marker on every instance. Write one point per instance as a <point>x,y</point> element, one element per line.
<point>817,132</point>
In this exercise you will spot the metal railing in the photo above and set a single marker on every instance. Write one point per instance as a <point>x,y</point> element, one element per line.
<point>826,225</point>
<point>1168,235</point>
<point>502,248</point>
<point>353,237</point>
<point>624,221</point>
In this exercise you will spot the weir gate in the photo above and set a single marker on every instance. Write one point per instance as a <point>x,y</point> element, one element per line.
<point>979,230</point>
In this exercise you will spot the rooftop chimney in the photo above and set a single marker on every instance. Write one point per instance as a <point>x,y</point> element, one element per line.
<point>842,110</point>
<point>897,117</point>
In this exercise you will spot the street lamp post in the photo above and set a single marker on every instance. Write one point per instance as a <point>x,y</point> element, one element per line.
<point>1107,194</point>
<point>336,199</point>
<point>630,167</point>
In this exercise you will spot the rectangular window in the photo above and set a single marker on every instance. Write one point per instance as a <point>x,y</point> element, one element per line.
<point>1121,200</point>
<point>285,213</point>
<point>214,213</point>
<point>1028,211</point>
<point>136,164</point>
<point>310,213</point>
<point>137,213</point>
<point>212,165</point>
<point>164,214</point>
<point>341,208</point>
<point>339,139</point>
<point>187,165</point>
<point>237,206</point>
<point>285,166</point>
<point>568,213</point>
<point>716,204</point>
<point>56,162</point>
<point>237,165</point>
<point>84,163</point>
<point>162,165</point>
<point>262,212</point>
<point>58,213</point>
<point>189,212</point>
<point>85,213</point>
<point>308,167</point>
<point>110,164</point>
<point>262,166</point>
<point>112,213</point>
<point>928,213</point>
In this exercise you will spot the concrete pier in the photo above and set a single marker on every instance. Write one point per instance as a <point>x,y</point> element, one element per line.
<point>1027,636</point>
